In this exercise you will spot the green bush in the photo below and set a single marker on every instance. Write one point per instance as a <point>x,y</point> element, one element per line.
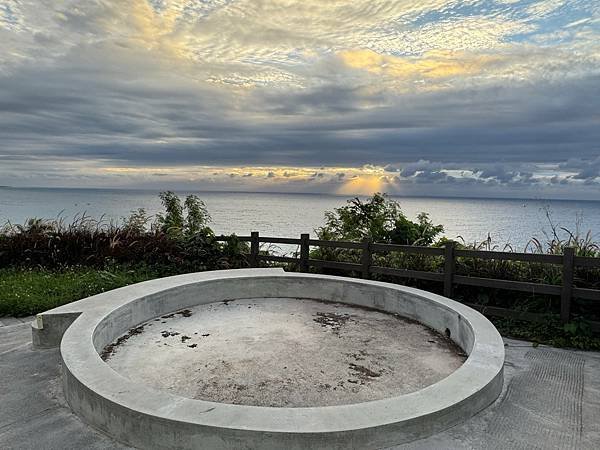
<point>189,219</point>
<point>379,219</point>
<point>179,238</point>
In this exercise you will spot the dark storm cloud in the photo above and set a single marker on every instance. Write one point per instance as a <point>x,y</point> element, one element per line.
<point>85,108</point>
<point>586,170</point>
<point>411,169</point>
<point>429,177</point>
<point>498,172</point>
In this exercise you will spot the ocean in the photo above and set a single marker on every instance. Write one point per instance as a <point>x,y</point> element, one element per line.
<point>507,221</point>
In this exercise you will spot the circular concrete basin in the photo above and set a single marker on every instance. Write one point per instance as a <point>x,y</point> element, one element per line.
<point>250,359</point>
<point>283,352</point>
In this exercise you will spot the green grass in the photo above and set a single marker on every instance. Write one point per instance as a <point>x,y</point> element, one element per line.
<point>575,334</point>
<point>29,291</point>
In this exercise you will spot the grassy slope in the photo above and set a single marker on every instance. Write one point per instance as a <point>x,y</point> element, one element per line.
<point>29,291</point>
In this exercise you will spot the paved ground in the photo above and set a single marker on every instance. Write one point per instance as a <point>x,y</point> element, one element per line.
<point>551,400</point>
<point>8,321</point>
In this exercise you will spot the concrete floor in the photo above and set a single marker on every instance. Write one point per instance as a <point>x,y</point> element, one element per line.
<point>264,353</point>
<point>551,400</point>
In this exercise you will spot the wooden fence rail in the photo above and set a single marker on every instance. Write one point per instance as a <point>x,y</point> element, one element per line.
<point>448,277</point>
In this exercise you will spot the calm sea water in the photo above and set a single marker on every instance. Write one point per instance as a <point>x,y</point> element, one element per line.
<point>288,215</point>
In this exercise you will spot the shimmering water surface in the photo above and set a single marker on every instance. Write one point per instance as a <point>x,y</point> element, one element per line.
<point>288,215</point>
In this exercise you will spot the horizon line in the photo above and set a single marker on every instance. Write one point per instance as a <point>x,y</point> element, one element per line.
<point>427,196</point>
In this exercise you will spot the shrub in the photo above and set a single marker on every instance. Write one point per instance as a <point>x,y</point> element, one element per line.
<point>188,219</point>
<point>379,219</point>
<point>179,240</point>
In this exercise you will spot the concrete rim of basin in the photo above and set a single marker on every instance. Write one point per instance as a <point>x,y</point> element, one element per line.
<point>141,416</point>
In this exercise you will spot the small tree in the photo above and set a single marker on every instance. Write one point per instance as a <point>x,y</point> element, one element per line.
<point>137,222</point>
<point>380,219</point>
<point>197,215</point>
<point>175,222</point>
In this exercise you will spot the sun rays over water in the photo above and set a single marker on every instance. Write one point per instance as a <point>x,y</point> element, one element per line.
<point>363,185</point>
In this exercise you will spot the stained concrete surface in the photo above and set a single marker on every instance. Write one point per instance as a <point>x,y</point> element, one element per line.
<point>284,352</point>
<point>551,400</point>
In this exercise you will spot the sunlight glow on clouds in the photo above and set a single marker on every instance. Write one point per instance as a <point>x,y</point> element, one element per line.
<point>363,185</point>
<point>413,96</point>
<point>434,64</point>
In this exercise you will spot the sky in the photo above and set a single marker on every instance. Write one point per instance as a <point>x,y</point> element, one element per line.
<point>495,98</point>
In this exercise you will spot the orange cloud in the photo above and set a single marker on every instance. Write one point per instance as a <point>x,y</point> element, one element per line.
<point>363,185</point>
<point>437,64</point>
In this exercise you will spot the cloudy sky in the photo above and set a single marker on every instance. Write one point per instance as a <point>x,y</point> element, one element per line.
<point>416,97</point>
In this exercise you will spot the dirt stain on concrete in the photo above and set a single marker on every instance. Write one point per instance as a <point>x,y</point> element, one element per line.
<point>331,320</point>
<point>110,349</point>
<point>364,374</point>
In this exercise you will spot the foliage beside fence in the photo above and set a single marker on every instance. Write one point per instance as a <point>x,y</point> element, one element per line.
<point>527,282</point>
<point>550,292</point>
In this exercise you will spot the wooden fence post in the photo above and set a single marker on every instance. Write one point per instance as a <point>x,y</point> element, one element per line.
<point>254,249</point>
<point>449,268</point>
<point>304,251</point>
<point>567,284</point>
<point>366,258</point>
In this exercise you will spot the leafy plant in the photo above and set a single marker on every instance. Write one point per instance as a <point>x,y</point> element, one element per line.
<point>137,222</point>
<point>575,334</point>
<point>197,216</point>
<point>188,218</point>
<point>179,237</point>
<point>379,219</point>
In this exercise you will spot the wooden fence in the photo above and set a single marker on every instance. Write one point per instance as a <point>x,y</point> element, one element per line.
<point>567,291</point>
